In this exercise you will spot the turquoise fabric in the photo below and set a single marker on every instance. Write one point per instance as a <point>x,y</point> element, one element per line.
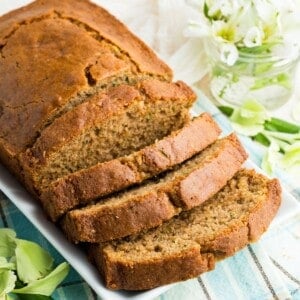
<point>250,274</point>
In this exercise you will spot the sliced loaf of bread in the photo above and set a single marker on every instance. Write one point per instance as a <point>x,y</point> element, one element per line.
<point>82,187</point>
<point>156,201</point>
<point>56,54</point>
<point>193,241</point>
<point>111,124</point>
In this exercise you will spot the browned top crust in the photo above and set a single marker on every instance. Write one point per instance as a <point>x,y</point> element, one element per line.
<point>52,51</point>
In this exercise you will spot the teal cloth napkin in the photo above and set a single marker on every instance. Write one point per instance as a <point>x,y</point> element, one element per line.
<point>257,272</point>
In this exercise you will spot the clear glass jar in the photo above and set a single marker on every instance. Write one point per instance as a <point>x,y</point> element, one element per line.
<point>267,78</point>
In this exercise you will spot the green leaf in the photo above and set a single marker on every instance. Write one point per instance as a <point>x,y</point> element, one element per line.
<point>271,158</point>
<point>32,297</point>
<point>275,124</point>
<point>4,264</point>
<point>226,110</point>
<point>251,113</point>
<point>282,144</point>
<point>33,262</point>
<point>292,155</point>
<point>7,281</point>
<point>287,137</point>
<point>9,297</point>
<point>46,285</point>
<point>262,139</point>
<point>255,107</point>
<point>7,242</point>
<point>249,130</point>
<point>205,10</point>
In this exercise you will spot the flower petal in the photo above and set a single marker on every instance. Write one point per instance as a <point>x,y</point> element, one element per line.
<point>229,54</point>
<point>253,37</point>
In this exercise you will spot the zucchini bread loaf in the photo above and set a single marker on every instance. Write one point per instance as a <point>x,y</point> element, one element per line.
<point>63,62</point>
<point>56,54</point>
<point>193,241</point>
<point>93,126</point>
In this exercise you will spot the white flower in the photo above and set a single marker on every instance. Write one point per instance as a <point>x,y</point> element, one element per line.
<point>266,10</point>
<point>229,54</point>
<point>223,8</point>
<point>253,37</point>
<point>8,280</point>
<point>224,32</point>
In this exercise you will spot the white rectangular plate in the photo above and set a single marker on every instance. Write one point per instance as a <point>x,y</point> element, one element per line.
<point>32,210</point>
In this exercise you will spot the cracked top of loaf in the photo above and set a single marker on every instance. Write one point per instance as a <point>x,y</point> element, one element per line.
<point>54,55</point>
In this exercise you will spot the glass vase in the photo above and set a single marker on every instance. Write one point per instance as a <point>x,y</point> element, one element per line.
<point>267,78</point>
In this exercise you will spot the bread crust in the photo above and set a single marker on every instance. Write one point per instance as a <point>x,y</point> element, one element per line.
<point>142,275</point>
<point>206,181</point>
<point>181,266</point>
<point>142,212</point>
<point>104,178</point>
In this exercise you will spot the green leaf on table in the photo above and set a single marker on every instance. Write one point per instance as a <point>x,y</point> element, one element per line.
<point>33,262</point>
<point>226,110</point>
<point>275,124</point>
<point>287,137</point>
<point>262,139</point>
<point>46,285</point>
<point>282,144</point>
<point>249,130</point>
<point>271,158</point>
<point>249,118</point>
<point>7,242</point>
<point>7,281</point>
<point>292,155</point>
<point>8,265</point>
<point>250,113</point>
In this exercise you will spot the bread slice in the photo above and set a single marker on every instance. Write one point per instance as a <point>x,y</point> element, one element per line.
<point>56,54</point>
<point>82,187</point>
<point>193,241</point>
<point>110,125</point>
<point>149,205</point>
